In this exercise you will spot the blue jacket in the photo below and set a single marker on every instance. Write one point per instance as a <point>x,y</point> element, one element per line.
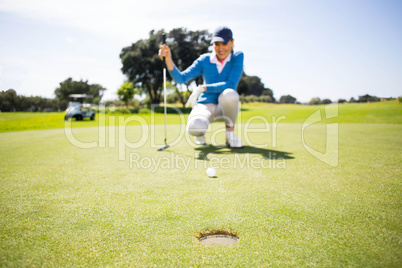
<point>215,82</point>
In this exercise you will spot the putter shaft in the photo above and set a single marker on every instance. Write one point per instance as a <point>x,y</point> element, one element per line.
<point>164,99</point>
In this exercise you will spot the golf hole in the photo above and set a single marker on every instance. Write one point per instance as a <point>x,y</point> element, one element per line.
<point>218,238</point>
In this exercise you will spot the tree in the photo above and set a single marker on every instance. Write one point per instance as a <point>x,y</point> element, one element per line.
<point>326,101</point>
<point>287,99</point>
<point>142,65</point>
<point>126,92</point>
<point>243,87</point>
<point>315,101</point>
<point>96,91</point>
<point>186,46</point>
<point>69,86</point>
<point>341,101</point>
<point>368,98</point>
<point>252,85</point>
<point>8,100</point>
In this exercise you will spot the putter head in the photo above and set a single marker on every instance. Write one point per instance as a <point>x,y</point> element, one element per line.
<point>164,147</point>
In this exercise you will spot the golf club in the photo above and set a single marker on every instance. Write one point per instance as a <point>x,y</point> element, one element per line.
<point>164,93</point>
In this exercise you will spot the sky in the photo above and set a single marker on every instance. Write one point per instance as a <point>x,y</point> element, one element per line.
<point>335,49</point>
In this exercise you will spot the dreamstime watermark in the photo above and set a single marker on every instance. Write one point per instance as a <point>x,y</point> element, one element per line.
<point>257,131</point>
<point>183,163</point>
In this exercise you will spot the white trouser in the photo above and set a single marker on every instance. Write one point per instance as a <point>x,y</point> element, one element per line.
<point>204,113</point>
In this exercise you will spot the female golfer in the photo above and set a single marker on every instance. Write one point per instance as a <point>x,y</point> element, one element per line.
<point>217,99</point>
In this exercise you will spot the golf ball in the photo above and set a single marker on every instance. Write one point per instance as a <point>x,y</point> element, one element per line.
<point>211,172</point>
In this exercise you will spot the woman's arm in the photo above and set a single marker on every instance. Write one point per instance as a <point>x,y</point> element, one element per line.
<point>191,72</point>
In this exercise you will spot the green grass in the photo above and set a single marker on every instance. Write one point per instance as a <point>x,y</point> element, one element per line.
<point>377,112</point>
<point>62,206</point>
<point>380,112</point>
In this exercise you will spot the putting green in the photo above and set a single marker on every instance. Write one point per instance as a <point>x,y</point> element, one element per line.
<point>118,205</point>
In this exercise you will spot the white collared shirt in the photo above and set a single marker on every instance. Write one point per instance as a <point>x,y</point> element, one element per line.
<point>219,65</point>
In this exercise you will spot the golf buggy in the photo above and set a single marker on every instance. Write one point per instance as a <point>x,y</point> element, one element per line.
<point>79,110</point>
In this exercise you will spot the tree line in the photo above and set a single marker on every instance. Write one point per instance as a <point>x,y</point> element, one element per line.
<point>10,101</point>
<point>143,71</point>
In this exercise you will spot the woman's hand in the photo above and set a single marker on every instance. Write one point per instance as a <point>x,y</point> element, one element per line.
<point>164,51</point>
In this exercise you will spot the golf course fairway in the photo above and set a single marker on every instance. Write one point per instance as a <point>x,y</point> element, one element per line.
<point>102,195</point>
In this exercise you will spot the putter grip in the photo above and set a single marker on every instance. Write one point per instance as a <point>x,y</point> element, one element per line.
<point>164,42</point>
